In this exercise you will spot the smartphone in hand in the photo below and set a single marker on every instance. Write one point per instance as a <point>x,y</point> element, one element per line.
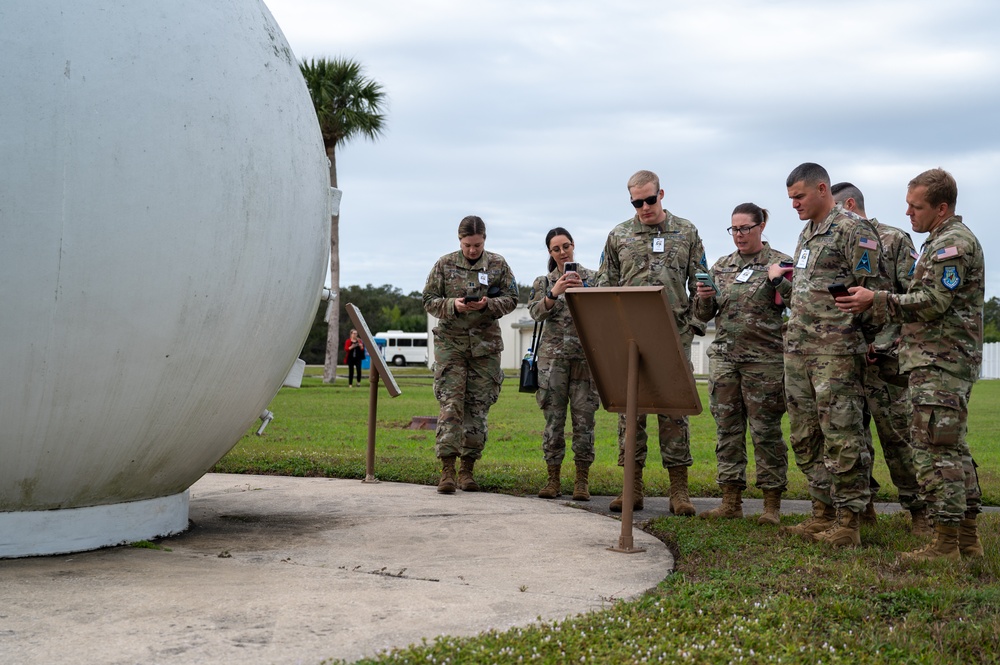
<point>837,290</point>
<point>571,266</point>
<point>469,299</point>
<point>705,279</point>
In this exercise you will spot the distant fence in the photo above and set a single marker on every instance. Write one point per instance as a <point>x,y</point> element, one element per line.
<point>991,361</point>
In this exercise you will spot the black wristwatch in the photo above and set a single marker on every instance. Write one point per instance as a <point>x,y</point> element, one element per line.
<point>776,281</point>
<point>549,295</point>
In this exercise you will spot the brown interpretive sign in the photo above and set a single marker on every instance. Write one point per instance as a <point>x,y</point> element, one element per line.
<point>635,355</point>
<point>378,370</point>
<point>606,318</point>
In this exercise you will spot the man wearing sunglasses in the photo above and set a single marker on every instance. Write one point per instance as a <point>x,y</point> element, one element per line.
<point>825,356</point>
<point>657,248</point>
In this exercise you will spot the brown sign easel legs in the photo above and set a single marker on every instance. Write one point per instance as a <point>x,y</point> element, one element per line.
<point>625,543</point>
<point>373,375</point>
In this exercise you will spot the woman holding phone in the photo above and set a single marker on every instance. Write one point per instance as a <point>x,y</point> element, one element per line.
<point>746,382</point>
<point>564,378</point>
<point>468,291</point>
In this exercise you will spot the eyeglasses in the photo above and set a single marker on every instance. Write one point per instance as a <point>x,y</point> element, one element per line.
<point>649,200</point>
<point>565,248</point>
<point>741,230</point>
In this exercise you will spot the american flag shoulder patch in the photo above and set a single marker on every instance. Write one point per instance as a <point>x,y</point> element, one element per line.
<point>867,243</point>
<point>946,253</point>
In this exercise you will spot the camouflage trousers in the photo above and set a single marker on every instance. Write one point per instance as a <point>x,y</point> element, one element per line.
<point>675,434</point>
<point>889,406</point>
<point>566,383</point>
<point>466,387</point>
<point>742,394</point>
<point>946,471</point>
<point>825,397</point>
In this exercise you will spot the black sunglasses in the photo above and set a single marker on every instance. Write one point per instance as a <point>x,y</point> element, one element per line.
<point>649,200</point>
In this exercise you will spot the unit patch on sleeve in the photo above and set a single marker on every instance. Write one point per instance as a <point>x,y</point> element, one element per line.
<point>950,278</point>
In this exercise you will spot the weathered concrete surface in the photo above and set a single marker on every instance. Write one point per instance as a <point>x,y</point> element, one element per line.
<point>295,570</point>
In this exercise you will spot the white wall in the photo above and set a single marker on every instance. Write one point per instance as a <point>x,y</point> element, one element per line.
<point>517,327</point>
<point>991,361</point>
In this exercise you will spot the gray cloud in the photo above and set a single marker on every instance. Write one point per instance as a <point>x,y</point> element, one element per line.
<point>534,116</point>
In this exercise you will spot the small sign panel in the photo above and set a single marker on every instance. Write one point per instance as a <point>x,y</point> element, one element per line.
<point>606,320</point>
<point>378,362</point>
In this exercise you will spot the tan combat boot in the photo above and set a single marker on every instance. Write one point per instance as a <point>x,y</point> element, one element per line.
<point>944,547</point>
<point>447,483</point>
<point>680,501</point>
<point>919,524</point>
<point>869,516</point>
<point>466,482</point>
<point>772,508</point>
<point>581,488</point>
<point>731,506</point>
<point>637,497</point>
<point>844,532</point>
<point>822,519</point>
<point>551,489</point>
<point>968,537</point>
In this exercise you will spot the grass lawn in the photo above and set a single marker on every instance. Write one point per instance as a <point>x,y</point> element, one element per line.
<point>740,593</point>
<point>322,430</point>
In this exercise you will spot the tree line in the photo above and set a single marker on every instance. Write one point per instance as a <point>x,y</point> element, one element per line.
<point>384,308</point>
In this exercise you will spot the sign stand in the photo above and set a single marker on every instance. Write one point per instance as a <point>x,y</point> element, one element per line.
<point>378,369</point>
<point>636,357</point>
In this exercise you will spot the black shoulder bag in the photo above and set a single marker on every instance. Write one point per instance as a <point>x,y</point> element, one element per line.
<point>529,365</point>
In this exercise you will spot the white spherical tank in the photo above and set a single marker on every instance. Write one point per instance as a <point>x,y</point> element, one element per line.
<point>164,231</point>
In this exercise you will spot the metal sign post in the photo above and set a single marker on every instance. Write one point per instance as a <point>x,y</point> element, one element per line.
<point>635,354</point>
<point>378,369</point>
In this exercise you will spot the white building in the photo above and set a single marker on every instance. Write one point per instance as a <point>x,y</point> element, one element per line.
<point>518,326</point>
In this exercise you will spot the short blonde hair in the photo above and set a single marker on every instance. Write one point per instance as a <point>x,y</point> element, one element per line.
<point>640,178</point>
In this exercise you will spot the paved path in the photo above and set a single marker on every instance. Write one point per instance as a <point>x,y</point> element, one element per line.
<point>296,570</point>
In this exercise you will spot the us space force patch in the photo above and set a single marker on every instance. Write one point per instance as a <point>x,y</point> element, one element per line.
<point>864,263</point>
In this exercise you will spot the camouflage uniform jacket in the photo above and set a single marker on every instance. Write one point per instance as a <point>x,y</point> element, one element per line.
<point>748,324</point>
<point>841,248</point>
<point>900,260</point>
<point>559,336</point>
<point>942,312</point>
<point>454,277</point>
<point>629,260</point>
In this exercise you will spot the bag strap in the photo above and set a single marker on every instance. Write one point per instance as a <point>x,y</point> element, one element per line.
<point>536,339</point>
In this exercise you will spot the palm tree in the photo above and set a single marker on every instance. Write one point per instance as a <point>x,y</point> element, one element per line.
<point>348,105</point>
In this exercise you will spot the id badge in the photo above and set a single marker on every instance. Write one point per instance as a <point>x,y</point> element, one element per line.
<point>484,279</point>
<point>658,245</point>
<point>744,276</point>
<point>803,259</point>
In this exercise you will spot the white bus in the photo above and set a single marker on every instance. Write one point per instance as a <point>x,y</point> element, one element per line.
<point>401,348</point>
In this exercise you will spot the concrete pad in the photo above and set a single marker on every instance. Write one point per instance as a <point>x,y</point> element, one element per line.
<point>296,570</point>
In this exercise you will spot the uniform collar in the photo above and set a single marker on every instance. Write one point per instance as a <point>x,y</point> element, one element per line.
<point>639,227</point>
<point>481,264</point>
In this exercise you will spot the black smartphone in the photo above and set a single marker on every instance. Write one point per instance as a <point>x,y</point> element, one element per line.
<point>570,266</point>
<point>837,290</point>
<point>704,278</point>
<point>472,298</point>
<point>786,264</point>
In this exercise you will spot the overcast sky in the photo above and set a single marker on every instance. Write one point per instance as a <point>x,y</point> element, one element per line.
<point>534,115</point>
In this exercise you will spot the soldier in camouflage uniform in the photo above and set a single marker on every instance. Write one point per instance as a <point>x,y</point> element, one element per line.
<point>656,248</point>
<point>941,347</point>
<point>825,356</point>
<point>886,394</point>
<point>468,291</point>
<point>564,377</point>
<point>746,383</point>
